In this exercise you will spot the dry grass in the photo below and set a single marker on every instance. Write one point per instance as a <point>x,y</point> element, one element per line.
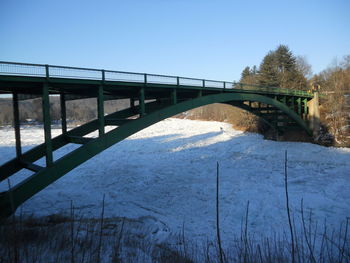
<point>73,238</point>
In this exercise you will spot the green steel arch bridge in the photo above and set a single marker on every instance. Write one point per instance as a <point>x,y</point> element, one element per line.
<point>152,98</point>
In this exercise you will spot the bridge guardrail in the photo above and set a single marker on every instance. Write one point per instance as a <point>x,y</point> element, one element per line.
<point>42,70</point>
<point>124,76</point>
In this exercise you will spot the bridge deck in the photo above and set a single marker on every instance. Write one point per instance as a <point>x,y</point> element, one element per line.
<point>28,79</point>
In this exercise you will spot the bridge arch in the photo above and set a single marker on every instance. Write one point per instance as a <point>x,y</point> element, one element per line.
<point>230,98</point>
<point>156,111</point>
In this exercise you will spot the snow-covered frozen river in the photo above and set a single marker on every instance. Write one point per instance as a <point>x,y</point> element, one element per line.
<point>167,173</point>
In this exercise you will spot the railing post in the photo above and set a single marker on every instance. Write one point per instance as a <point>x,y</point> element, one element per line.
<point>200,92</point>
<point>100,107</point>
<point>47,123</point>
<point>224,85</point>
<point>47,73</point>
<point>17,124</point>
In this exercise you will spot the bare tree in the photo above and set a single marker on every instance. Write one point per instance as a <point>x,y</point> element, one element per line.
<point>304,67</point>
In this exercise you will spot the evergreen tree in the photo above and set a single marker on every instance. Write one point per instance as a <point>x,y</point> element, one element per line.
<point>245,73</point>
<point>279,69</point>
<point>249,75</point>
<point>268,73</point>
<point>254,71</point>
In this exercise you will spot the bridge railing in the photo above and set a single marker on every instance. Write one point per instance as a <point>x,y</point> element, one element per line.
<point>21,69</point>
<point>52,71</point>
<point>275,90</point>
<point>160,79</point>
<point>124,76</point>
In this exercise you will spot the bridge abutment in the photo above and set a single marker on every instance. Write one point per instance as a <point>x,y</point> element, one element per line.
<point>314,114</point>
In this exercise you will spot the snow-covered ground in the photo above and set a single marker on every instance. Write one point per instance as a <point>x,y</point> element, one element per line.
<point>166,175</point>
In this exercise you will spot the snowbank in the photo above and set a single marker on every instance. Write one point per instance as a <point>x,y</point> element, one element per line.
<point>167,172</point>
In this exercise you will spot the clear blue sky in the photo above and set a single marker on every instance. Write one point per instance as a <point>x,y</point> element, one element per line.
<point>205,39</point>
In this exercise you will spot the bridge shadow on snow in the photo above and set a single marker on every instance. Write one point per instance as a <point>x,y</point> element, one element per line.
<point>171,140</point>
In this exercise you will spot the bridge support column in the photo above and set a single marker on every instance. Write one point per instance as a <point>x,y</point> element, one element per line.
<point>173,96</point>
<point>47,124</point>
<point>299,106</point>
<point>314,114</point>
<point>16,124</point>
<point>63,112</point>
<point>174,92</point>
<point>305,109</point>
<point>100,111</point>
<point>142,101</point>
<point>284,100</point>
<point>292,103</point>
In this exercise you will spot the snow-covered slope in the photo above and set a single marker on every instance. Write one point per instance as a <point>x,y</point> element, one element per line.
<point>167,172</point>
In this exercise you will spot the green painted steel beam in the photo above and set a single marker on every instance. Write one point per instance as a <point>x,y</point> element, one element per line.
<point>173,96</point>
<point>292,103</point>
<point>79,139</point>
<point>31,166</point>
<point>47,124</point>
<point>298,100</point>
<point>6,80</point>
<point>284,100</point>
<point>63,112</point>
<point>16,124</point>
<point>116,122</point>
<point>305,106</point>
<point>100,111</point>
<point>142,102</point>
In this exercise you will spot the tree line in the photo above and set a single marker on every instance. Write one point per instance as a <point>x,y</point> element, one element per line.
<point>78,111</point>
<point>281,68</point>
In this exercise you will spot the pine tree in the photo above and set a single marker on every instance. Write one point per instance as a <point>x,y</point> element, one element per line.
<point>249,75</point>
<point>279,69</point>
<point>254,71</point>
<point>268,72</point>
<point>245,73</point>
